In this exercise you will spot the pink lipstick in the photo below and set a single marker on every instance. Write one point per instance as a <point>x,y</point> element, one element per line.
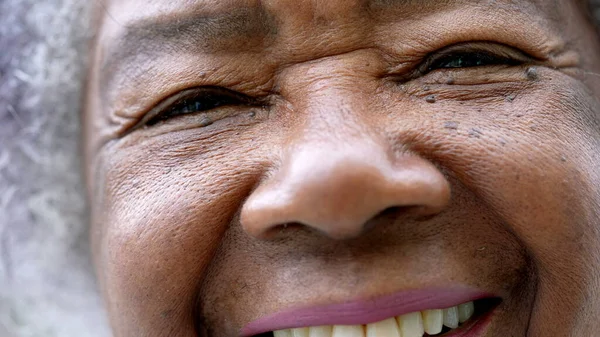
<point>365,311</point>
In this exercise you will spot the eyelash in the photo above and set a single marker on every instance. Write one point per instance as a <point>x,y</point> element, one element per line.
<point>200,100</point>
<point>461,59</point>
<point>207,99</point>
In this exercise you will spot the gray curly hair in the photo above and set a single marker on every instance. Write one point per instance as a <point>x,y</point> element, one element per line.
<point>47,284</point>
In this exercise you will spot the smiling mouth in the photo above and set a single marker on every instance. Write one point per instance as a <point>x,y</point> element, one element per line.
<point>463,320</point>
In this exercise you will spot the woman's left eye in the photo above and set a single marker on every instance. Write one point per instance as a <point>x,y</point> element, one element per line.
<point>469,60</point>
<point>454,59</point>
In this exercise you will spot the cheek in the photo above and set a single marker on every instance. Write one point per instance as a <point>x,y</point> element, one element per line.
<point>163,217</point>
<point>535,167</point>
<point>535,163</point>
<point>531,155</point>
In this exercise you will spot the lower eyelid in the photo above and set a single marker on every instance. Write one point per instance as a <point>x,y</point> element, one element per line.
<point>165,117</point>
<point>474,76</point>
<point>206,117</point>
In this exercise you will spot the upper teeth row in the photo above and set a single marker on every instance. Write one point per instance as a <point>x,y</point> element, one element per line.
<point>415,324</point>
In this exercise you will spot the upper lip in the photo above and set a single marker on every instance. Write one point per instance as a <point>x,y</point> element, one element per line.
<point>365,311</point>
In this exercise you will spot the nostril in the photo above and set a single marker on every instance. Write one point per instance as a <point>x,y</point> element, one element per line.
<point>284,228</point>
<point>288,229</point>
<point>295,228</point>
<point>391,214</point>
<point>418,212</point>
<point>392,211</point>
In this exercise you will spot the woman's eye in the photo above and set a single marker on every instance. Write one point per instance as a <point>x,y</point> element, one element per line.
<point>469,60</point>
<point>195,102</point>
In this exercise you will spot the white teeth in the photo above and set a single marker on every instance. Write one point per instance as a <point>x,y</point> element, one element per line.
<point>451,317</point>
<point>300,332</point>
<point>320,331</point>
<point>433,321</point>
<point>411,325</point>
<point>283,333</point>
<point>465,311</point>
<point>348,331</point>
<point>415,324</point>
<point>387,328</point>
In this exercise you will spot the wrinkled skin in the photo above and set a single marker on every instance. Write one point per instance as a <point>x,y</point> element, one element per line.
<point>349,169</point>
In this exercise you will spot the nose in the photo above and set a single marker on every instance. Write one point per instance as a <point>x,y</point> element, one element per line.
<point>336,187</point>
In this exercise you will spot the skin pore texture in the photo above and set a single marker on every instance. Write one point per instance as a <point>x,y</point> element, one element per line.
<point>346,160</point>
<point>387,175</point>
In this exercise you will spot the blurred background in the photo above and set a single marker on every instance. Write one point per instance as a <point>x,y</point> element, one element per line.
<point>47,285</point>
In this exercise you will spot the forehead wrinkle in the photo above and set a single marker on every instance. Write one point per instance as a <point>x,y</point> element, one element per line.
<point>237,29</point>
<point>211,30</point>
<point>383,3</point>
<point>387,4</point>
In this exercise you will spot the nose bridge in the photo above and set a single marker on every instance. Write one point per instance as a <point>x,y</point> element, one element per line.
<point>337,148</point>
<point>332,96</point>
<point>330,80</point>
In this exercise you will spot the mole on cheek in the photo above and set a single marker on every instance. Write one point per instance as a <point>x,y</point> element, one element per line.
<point>532,73</point>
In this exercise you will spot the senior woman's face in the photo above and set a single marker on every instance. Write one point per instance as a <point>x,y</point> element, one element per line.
<point>264,165</point>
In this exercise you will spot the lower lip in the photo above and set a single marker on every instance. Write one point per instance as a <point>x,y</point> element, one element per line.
<point>370,311</point>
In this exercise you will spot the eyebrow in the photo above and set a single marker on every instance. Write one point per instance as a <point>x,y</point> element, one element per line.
<point>235,30</point>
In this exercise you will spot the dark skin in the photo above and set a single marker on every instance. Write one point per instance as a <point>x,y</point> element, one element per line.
<point>349,154</point>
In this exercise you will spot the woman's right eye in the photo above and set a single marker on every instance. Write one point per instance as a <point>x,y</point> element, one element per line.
<point>195,101</point>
